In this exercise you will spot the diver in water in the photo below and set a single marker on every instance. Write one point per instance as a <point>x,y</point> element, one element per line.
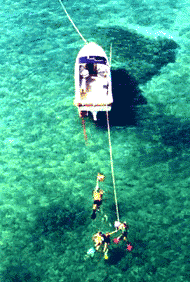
<point>106,244</point>
<point>97,195</point>
<point>97,202</point>
<point>98,239</point>
<point>103,240</point>
<point>123,227</point>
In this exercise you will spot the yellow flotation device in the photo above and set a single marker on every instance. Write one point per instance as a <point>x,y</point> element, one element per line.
<point>97,196</point>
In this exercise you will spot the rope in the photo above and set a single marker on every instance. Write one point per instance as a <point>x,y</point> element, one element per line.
<point>72,22</point>
<point>111,161</point>
<point>84,130</point>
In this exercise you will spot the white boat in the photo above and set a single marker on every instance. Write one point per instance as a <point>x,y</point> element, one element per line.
<point>93,89</point>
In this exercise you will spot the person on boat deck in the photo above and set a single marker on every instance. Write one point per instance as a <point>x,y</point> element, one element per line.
<point>97,195</point>
<point>84,73</point>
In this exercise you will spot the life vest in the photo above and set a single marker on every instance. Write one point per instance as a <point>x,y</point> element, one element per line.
<point>98,238</point>
<point>97,196</point>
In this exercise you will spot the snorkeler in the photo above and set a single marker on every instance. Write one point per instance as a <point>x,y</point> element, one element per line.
<point>103,240</point>
<point>106,244</point>
<point>123,227</point>
<point>98,239</point>
<point>97,195</point>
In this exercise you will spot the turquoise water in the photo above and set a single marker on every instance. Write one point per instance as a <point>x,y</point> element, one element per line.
<point>48,173</point>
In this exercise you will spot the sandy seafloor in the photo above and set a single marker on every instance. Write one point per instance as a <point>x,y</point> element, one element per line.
<point>48,173</point>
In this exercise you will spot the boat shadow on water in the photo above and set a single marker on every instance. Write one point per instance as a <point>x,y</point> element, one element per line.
<point>126,97</point>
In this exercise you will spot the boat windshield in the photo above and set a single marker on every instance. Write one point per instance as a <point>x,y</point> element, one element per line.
<point>93,60</point>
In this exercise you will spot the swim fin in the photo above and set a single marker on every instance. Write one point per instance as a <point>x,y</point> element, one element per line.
<point>93,216</point>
